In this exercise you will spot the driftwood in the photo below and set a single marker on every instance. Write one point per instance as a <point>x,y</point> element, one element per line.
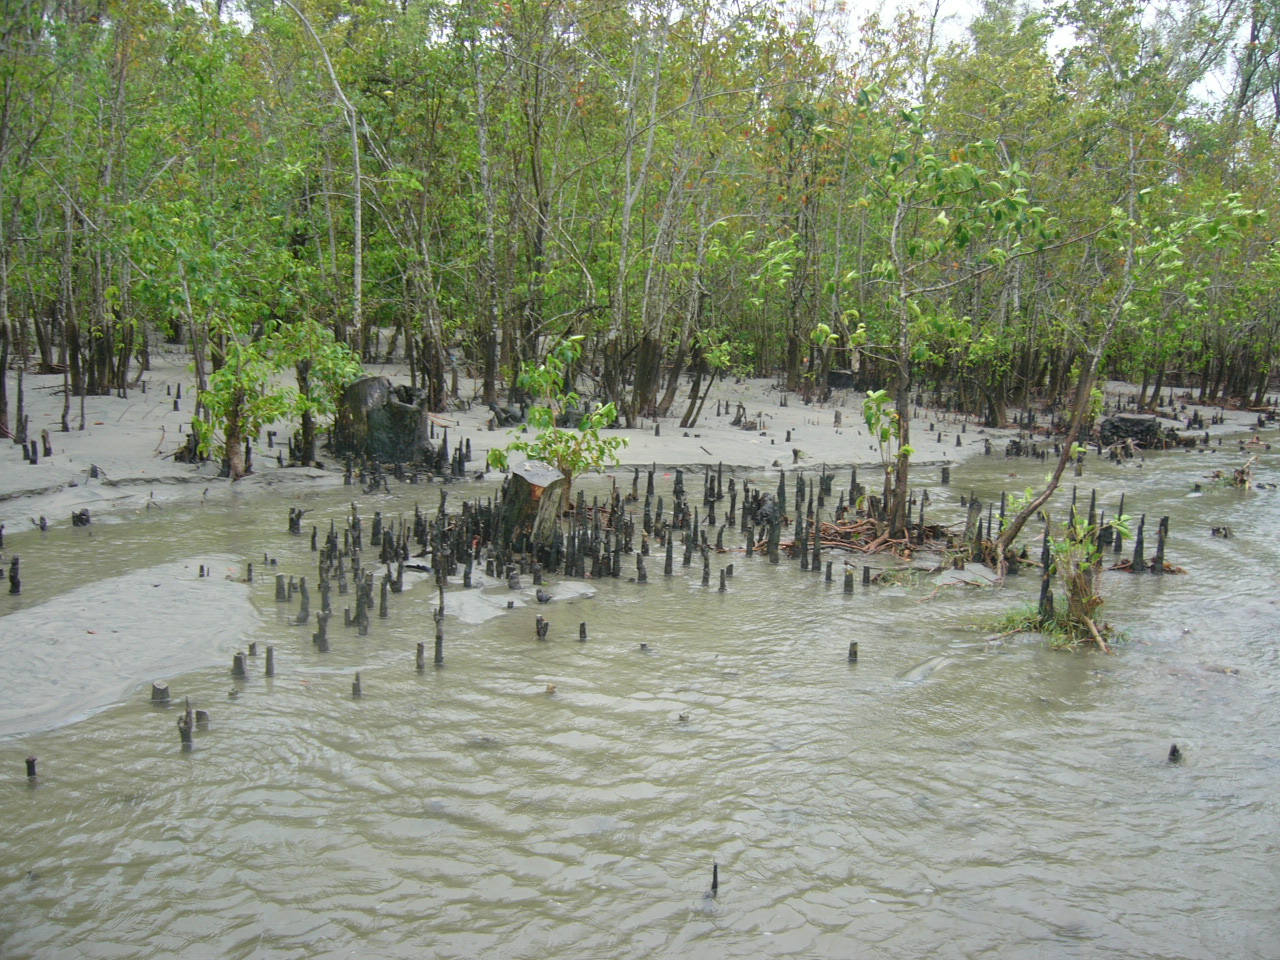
<point>1097,637</point>
<point>1126,566</point>
<point>864,535</point>
<point>505,418</point>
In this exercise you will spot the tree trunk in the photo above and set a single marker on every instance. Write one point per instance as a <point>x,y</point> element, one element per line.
<point>492,316</point>
<point>697,403</point>
<point>20,417</point>
<point>45,333</point>
<point>634,182</point>
<point>696,372</point>
<point>357,201</point>
<point>308,440</point>
<point>532,510</point>
<point>902,462</point>
<point>65,424</point>
<point>1159,385</point>
<point>234,437</point>
<point>307,447</point>
<point>648,364</point>
<point>1264,378</point>
<point>673,380</point>
<point>431,354</point>
<point>4,380</point>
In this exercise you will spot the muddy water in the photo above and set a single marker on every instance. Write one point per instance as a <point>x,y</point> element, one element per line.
<point>943,797</point>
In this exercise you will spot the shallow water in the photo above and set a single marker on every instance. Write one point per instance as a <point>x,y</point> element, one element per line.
<point>943,797</point>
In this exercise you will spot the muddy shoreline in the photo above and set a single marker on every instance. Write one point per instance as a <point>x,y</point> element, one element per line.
<point>131,442</point>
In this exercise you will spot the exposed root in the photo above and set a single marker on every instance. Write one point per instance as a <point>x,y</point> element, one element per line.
<point>1126,566</point>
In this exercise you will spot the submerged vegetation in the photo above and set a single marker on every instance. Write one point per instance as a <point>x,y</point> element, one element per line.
<point>1026,618</point>
<point>1073,558</point>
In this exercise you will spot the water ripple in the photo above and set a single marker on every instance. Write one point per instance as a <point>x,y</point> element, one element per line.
<point>943,797</point>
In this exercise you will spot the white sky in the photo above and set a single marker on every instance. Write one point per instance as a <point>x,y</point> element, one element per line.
<point>955,15</point>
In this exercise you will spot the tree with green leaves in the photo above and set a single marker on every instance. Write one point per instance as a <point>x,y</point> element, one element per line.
<point>1076,561</point>
<point>1134,254</point>
<point>572,451</point>
<point>457,183</point>
<point>928,208</point>
<point>251,389</point>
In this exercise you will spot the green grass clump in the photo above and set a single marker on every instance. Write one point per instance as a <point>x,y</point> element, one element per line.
<point>1061,633</point>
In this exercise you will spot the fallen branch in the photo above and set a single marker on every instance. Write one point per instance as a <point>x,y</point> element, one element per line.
<point>952,583</point>
<point>1097,637</point>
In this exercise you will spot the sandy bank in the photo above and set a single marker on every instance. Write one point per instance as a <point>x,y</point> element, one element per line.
<point>95,645</point>
<point>132,440</point>
<point>91,647</point>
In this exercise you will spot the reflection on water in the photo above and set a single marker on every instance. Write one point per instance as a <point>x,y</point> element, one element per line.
<point>942,797</point>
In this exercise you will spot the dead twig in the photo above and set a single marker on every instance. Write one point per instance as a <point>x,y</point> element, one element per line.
<point>1097,637</point>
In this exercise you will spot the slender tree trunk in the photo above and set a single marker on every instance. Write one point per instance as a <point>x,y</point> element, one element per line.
<point>492,315</point>
<point>655,297</point>
<point>697,403</point>
<point>46,333</point>
<point>197,335</point>
<point>634,181</point>
<point>1264,378</point>
<point>233,434</point>
<point>897,509</point>
<point>1079,408</point>
<point>695,300</point>
<point>339,315</point>
<point>4,327</point>
<point>20,417</point>
<point>66,398</point>
<point>696,367</point>
<point>307,421</point>
<point>431,356</point>
<point>902,461</point>
<point>673,379</point>
<point>4,380</point>
<point>1159,384</point>
<point>357,203</point>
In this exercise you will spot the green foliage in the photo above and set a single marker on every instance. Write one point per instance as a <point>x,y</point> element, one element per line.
<point>722,352</point>
<point>1015,505</point>
<point>775,266</point>
<point>1077,543</point>
<point>664,174</point>
<point>249,390</point>
<point>328,367</point>
<point>1078,567</point>
<point>822,337</point>
<point>883,423</point>
<point>571,451</point>
<point>1026,618</point>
